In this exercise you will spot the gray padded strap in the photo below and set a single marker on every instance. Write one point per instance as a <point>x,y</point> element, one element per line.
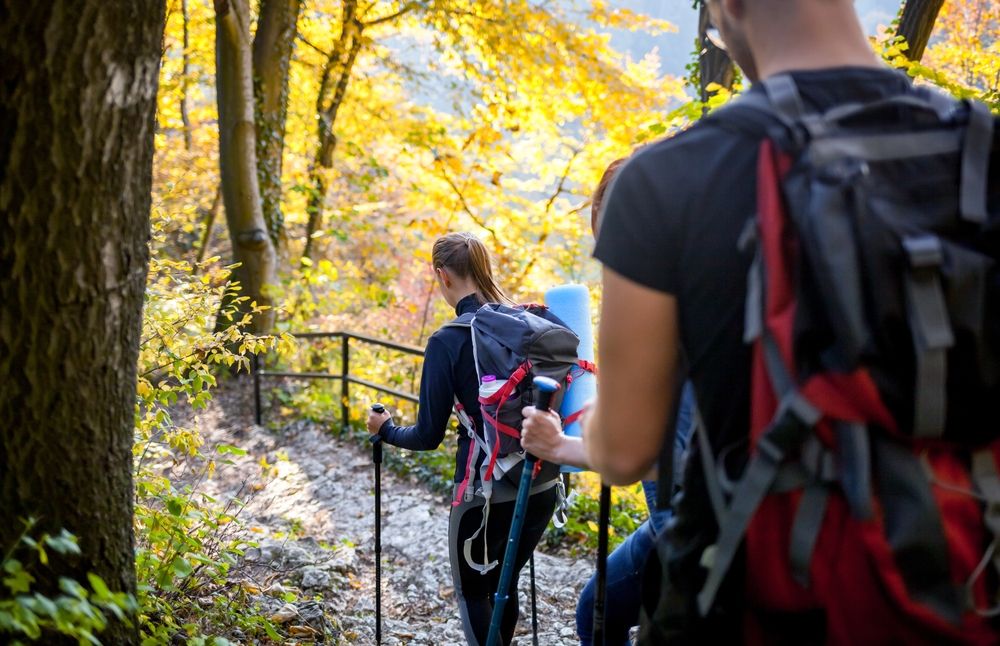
<point>793,421</point>
<point>753,312</point>
<point>913,526</point>
<point>855,467</point>
<point>933,102</point>
<point>708,467</point>
<point>875,148</point>
<point>805,530</point>
<point>975,163</point>
<point>784,97</point>
<point>780,379</point>
<point>816,464</point>
<point>932,334</point>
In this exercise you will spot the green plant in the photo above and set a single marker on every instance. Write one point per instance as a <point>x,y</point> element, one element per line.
<point>79,611</point>
<point>189,545</point>
<point>579,534</point>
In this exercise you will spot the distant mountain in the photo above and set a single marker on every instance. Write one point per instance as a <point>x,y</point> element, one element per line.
<point>675,49</point>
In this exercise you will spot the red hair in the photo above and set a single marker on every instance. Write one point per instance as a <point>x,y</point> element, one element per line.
<point>602,187</point>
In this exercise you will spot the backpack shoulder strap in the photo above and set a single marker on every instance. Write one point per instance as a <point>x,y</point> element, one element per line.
<point>749,114</point>
<point>463,320</point>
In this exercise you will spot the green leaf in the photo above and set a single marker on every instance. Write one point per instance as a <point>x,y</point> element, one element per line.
<point>45,605</point>
<point>271,632</point>
<point>175,506</point>
<point>64,543</point>
<point>230,449</point>
<point>182,567</point>
<point>18,582</point>
<point>72,588</point>
<point>97,585</point>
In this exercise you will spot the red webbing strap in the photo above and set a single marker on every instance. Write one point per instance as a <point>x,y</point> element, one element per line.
<point>500,426</point>
<point>473,449</point>
<point>493,460</point>
<point>572,418</point>
<point>515,378</point>
<point>468,473</point>
<point>505,392</point>
<point>588,366</point>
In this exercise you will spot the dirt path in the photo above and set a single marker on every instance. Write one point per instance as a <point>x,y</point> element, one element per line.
<point>315,526</point>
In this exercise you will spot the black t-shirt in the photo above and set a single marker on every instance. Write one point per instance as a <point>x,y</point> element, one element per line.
<point>672,221</point>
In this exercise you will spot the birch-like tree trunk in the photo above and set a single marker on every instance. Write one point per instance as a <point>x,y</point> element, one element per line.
<point>252,246</point>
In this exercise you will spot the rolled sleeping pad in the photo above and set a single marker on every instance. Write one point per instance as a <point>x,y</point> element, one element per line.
<point>571,303</point>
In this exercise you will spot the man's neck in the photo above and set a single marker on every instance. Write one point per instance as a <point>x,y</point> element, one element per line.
<point>825,39</point>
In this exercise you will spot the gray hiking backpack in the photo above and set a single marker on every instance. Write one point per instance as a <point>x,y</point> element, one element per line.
<point>511,345</point>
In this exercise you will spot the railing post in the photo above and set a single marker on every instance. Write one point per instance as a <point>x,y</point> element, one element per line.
<point>256,388</point>
<point>345,392</point>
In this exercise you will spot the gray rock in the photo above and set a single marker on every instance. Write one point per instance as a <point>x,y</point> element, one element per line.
<point>296,556</point>
<point>313,577</point>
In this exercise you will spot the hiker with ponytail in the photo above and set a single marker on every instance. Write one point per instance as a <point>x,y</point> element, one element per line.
<point>464,275</point>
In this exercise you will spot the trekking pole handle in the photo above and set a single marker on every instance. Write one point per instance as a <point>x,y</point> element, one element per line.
<point>546,389</point>
<point>376,439</point>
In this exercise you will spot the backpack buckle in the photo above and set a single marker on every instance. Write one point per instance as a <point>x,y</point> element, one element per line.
<point>924,252</point>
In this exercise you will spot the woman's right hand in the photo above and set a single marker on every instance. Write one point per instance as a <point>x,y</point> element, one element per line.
<point>376,420</point>
<point>542,436</point>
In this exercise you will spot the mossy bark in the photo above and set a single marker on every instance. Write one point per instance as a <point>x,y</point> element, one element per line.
<point>77,102</point>
<point>272,51</point>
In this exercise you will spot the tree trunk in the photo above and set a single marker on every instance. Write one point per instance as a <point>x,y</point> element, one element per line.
<point>272,51</point>
<point>252,245</point>
<point>714,65</point>
<point>341,60</point>
<point>77,104</point>
<point>916,22</point>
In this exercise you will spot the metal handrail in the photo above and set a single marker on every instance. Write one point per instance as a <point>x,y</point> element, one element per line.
<point>345,378</point>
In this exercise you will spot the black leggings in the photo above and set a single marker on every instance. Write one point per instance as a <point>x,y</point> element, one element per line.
<point>474,591</point>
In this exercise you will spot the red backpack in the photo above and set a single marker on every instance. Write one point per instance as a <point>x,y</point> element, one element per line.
<point>871,496</point>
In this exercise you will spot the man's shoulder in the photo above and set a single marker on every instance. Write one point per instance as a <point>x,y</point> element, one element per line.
<point>704,143</point>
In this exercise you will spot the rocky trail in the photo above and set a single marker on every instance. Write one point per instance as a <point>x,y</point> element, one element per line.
<point>314,523</point>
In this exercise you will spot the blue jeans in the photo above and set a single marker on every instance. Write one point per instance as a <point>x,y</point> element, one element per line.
<point>622,598</point>
<point>621,610</point>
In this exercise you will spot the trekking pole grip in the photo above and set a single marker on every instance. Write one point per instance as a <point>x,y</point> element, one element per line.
<point>376,439</point>
<point>547,387</point>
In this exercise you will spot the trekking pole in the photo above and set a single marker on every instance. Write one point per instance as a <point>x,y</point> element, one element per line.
<point>534,604</point>
<point>376,441</point>
<point>546,387</point>
<point>604,516</point>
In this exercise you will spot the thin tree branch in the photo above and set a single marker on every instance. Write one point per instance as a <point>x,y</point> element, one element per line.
<point>465,207</point>
<point>306,41</point>
<point>562,180</point>
<point>407,8</point>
